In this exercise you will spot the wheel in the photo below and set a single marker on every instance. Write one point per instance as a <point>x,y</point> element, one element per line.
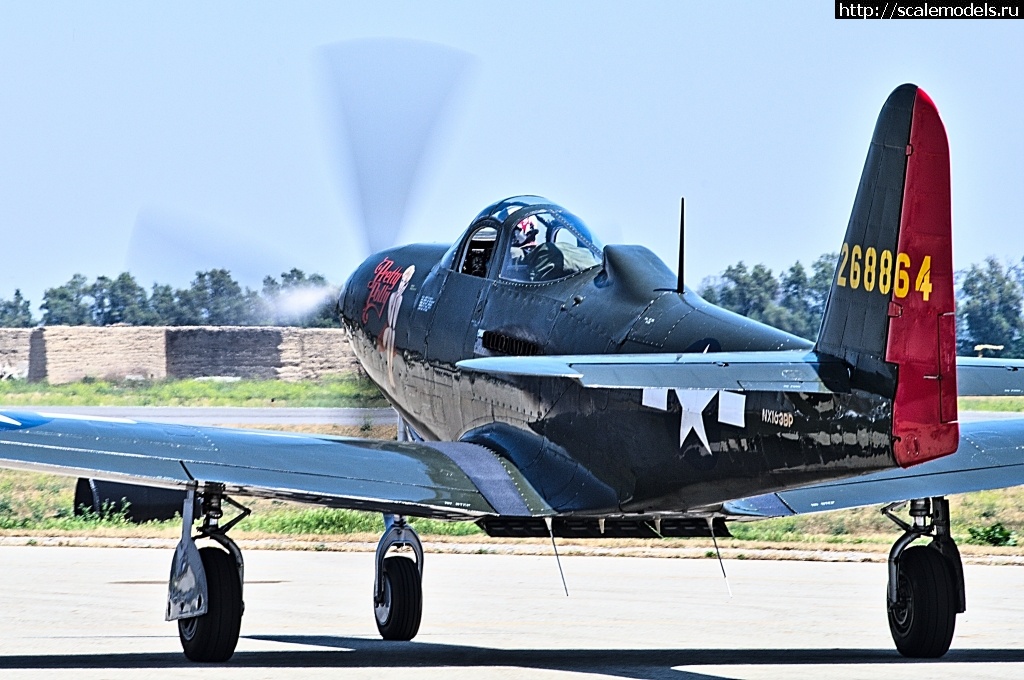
<point>923,617</point>
<point>398,616</point>
<point>212,637</point>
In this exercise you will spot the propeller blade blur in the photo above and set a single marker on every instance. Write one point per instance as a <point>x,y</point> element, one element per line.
<point>168,247</point>
<point>392,96</point>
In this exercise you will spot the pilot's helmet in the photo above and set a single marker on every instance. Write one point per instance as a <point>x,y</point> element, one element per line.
<point>525,233</point>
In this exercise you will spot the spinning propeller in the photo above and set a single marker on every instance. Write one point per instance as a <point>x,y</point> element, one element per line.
<point>391,96</point>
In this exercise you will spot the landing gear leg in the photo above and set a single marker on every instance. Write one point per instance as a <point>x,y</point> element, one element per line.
<point>205,591</point>
<point>397,588</point>
<point>926,583</point>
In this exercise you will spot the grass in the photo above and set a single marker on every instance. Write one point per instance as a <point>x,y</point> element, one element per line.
<point>1004,404</point>
<point>346,391</point>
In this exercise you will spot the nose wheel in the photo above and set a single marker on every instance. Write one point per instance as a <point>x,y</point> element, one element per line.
<point>926,584</point>
<point>398,591</point>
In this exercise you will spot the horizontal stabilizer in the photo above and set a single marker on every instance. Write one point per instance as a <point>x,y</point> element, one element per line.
<point>784,371</point>
<point>990,456</point>
<point>788,371</point>
<point>980,377</point>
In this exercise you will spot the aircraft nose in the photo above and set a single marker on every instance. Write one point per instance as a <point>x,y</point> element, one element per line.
<point>346,305</point>
<point>339,305</point>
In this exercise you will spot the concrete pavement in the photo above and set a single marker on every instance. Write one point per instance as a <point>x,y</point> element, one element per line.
<point>308,614</point>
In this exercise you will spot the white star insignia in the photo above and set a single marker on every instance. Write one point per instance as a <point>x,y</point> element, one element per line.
<point>693,402</point>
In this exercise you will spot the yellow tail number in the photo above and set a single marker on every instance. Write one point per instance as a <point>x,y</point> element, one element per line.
<point>923,284</point>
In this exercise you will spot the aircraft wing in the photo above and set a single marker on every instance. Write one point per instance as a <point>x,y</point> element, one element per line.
<point>990,456</point>
<point>442,479</point>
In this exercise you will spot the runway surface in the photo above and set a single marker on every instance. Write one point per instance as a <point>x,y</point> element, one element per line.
<point>99,611</point>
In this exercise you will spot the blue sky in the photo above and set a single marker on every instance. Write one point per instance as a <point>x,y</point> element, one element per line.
<point>212,121</point>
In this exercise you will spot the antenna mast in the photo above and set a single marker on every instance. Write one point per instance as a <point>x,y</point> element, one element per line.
<point>680,288</point>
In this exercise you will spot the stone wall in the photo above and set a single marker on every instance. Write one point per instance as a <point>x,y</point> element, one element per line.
<point>239,352</point>
<point>66,354</point>
<point>60,354</point>
<point>312,353</point>
<point>15,352</point>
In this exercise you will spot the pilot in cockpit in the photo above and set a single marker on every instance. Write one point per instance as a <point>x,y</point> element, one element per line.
<point>524,238</point>
<point>547,246</point>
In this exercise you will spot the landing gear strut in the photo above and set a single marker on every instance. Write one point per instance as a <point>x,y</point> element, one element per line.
<point>926,582</point>
<point>205,591</point>
<point>397,588</point>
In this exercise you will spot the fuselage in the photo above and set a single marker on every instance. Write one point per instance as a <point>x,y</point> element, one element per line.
<point>413,312</point>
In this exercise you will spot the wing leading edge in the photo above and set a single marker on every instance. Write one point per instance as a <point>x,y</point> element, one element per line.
<point>444,480</point>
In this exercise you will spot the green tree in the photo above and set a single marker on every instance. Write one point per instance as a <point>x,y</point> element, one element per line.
<point>795,302</point>
<point>300,300</point>
<point>16,312</point>
<point>66,305</point>
<point>823,272</point>
<point>749,292</point>
<point>989,309</point>
<point>165,307</point>
<point>129,303</point>
<point>216,299</point>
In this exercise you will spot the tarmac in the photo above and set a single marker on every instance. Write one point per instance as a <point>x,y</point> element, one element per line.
<point>98,613</point>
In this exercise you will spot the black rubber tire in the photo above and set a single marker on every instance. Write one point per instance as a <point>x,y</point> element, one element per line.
<point>923,618</point>
<point>399,617</point>
<point>212,637</point>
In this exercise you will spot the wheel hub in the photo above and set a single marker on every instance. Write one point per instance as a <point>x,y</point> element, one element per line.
<point>901,612</point>
<point>382,609</point>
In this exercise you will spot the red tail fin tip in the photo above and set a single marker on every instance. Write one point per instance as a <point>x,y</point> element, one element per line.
<point>922,336</point>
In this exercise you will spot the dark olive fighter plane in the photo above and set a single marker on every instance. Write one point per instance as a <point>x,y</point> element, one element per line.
<point>552,387</point>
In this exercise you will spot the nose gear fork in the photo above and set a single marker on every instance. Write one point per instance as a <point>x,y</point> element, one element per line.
<point>397,533</point>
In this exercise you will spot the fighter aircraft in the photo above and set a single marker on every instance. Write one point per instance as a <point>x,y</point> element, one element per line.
<point>550,386</point>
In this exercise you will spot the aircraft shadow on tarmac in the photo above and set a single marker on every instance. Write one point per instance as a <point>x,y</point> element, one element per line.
<point>639,664</point>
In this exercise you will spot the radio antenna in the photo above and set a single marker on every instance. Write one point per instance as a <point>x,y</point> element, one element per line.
<point>680,288</point>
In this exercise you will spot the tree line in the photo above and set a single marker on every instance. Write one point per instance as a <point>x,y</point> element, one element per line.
<point>214,298</point>
<point>989,300</point>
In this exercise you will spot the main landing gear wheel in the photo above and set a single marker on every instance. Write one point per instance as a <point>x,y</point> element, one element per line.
<point>397,585</point>
<point>204,592</point>
<point>398,613</point>
<point>212,637</point>
<point>924,614</point>
<point>926,583</point>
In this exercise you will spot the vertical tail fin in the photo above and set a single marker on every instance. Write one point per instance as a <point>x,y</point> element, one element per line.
<point>890,313</point>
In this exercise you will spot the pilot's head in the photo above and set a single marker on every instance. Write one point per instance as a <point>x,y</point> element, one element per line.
<point>526,232</point>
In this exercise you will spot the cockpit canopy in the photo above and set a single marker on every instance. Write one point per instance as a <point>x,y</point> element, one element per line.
<point>527,239</point>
